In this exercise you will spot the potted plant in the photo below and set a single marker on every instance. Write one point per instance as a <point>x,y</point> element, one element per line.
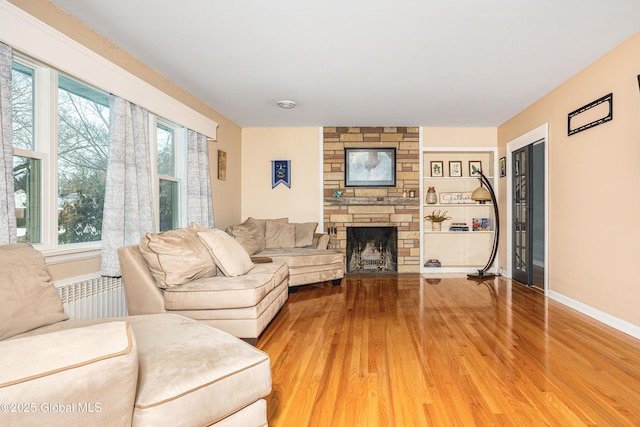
<point>436,218</point>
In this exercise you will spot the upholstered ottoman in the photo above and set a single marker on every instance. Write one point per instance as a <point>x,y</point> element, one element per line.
<point>190,371</point>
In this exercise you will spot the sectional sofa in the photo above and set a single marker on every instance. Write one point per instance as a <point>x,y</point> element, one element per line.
<point>149,370</point>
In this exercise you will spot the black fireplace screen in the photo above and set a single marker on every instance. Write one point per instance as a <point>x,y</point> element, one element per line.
<point>372,249</point>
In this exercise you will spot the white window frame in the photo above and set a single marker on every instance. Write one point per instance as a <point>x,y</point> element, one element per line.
<point>46,149</point>
<point>180,139</point>
<point>46,143</point>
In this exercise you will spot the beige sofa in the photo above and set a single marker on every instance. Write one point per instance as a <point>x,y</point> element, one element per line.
<point>305,252</point>
<point>151,370</point>
<point>206,275</point>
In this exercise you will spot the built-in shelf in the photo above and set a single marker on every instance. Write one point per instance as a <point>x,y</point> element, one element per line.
<point>373,200</point>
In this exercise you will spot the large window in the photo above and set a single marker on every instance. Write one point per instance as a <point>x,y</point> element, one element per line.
<point>60,138</point>
<point>83,141</point>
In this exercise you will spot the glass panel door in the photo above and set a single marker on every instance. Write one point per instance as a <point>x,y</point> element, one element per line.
<point>521,218</point>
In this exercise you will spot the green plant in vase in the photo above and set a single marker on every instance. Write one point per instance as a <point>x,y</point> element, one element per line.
<point>437,218</point>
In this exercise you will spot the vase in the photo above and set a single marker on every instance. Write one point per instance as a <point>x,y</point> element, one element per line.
<point>436,226</point>
<point>432,197</point>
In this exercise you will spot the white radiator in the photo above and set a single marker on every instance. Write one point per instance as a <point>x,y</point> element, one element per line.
<point>94,297</point>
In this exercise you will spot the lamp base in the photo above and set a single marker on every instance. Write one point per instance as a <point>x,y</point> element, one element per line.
<point>481,275</point>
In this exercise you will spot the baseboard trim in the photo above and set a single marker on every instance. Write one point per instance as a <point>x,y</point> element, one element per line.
<point>609,320</point>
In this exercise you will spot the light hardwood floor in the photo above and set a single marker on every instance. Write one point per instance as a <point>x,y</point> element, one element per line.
<point>402,350</point>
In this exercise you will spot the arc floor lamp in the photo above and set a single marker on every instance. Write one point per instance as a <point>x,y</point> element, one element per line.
<point>483,195</point>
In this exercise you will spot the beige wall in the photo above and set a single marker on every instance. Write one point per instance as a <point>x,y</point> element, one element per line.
<point>301,202</point>
<point>226,194</point>
<point>459,137</point>
<point>594,181</point>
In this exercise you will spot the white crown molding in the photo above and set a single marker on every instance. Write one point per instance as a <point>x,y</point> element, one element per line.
<point>44,43</point>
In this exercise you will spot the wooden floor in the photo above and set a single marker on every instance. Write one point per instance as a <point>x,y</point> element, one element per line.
<point>402,350</point>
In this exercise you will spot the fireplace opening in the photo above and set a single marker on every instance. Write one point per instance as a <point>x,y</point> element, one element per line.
<point>372,249</point>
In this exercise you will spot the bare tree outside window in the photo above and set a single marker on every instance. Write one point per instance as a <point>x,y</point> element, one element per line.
<point>83,138</point>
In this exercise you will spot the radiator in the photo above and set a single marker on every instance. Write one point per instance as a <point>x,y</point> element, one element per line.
<point>95,297</point>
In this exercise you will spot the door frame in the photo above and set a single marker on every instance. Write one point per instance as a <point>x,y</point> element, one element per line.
<point>534,135</point>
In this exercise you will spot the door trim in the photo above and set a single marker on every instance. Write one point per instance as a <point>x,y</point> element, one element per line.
<point>534,135</point>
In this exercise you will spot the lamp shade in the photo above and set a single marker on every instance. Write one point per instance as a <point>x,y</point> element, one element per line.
<point>481,194</point>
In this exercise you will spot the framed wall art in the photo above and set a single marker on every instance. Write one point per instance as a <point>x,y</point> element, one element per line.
<point>222,165</point>
<point>370,167</point>
<point>436,168</point>
<point>475,167</point>
<point>503,167</point>
<point>455,168</point>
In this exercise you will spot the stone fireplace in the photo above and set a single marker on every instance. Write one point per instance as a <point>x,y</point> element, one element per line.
<point>372,249</point>
<point>374,206</point>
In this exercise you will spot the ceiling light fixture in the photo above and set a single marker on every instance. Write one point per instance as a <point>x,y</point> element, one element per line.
<point>287,105</point>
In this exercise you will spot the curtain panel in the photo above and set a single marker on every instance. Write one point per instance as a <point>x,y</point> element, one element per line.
<point>8,231</point>
<point>128,203</point>
<point>199,204</point>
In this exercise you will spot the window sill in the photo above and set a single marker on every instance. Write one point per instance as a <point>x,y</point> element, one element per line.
<point>77,252</point>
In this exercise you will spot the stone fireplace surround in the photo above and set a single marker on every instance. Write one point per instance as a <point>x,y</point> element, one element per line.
<point>375,206</point>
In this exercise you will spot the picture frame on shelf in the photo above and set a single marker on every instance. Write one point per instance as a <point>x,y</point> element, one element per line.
<point>455,168</point>
<point>475,167</point>
<point>436,168</point>
<point>503,167</point>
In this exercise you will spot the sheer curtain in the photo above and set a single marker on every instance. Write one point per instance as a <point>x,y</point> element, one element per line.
<point>128,203</point>
<point>7,201</point>
<point>199,204</point>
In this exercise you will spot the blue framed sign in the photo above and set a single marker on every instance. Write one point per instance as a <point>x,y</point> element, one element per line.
<point>280,173</point>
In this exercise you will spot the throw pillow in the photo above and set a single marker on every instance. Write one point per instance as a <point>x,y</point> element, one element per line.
<point>176,257</point>
<point>249,236</point>
<point>280,234</point>
<point>227,252</point>
<point>262,223</point>
<point>304,233</point>
<point>28,298</point>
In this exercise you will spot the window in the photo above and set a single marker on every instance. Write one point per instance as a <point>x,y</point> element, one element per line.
<point>169,154</point>
<point>83,145</point>
<point>27,166</point>
<point>60,138</point>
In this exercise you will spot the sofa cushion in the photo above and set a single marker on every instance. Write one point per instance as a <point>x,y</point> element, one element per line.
<point>304,233</point>
<point>176,257</point>
<point>304,257</point>
<point>92,370</point>
<point>280,234</point>
<point>190,371</point>
<point>28,298</point>
<point>249,236</point>
<point>219,292</point>
<point>227,252</point>
<point>262,223</point>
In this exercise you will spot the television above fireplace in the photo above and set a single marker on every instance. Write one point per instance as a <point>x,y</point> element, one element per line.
<point>370,167</point>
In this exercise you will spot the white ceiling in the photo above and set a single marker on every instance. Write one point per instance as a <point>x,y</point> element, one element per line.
<point>365,62</point>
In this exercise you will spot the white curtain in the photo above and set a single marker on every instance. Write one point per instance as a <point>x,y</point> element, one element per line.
<point>199,204</point>
<point>7,200</point>
<point>128,203</point>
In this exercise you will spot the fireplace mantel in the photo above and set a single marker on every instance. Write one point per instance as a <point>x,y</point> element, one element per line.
<point>366,201</point>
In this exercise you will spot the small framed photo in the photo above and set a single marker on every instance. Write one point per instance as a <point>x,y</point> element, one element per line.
<point>475,167</point>
<point>503,167</point>
<point>455,168</point>
<point>436,168</point>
